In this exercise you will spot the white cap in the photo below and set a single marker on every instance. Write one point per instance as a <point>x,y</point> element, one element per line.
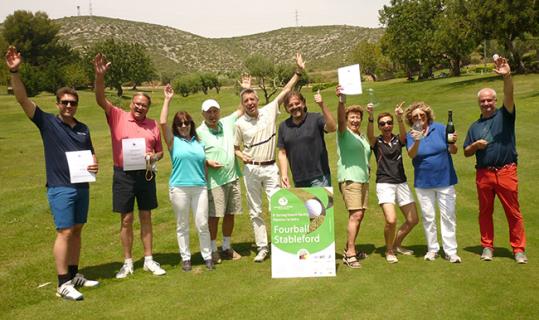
<point>207,104</point>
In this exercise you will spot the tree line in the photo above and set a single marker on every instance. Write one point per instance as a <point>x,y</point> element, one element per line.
<point>50,63</point>
<point>422,35</point>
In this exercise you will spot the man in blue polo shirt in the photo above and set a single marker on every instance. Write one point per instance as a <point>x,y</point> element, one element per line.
<point>68,201</point>
<point>492,140</point>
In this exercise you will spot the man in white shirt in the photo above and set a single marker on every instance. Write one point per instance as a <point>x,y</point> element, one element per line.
<point>256,132</point>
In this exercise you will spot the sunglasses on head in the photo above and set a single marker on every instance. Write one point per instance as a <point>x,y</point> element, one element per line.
<point>419,115</point>
<point>382,123</point>
<point>71,102</point>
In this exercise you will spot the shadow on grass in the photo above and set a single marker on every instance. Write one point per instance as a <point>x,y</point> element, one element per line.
<point>469,82</point>
<point>368,248</point>
<point>108,270</point>
<point>498,251</point>
<point>419,250</point>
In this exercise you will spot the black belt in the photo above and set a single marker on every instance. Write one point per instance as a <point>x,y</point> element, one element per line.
<point>505,166</point>
<point>261,163</point>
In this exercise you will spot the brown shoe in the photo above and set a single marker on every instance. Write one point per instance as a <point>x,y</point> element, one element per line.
<point>215,257</point>
<point>230,254</point>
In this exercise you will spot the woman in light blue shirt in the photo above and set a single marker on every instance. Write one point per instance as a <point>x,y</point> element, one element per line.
<point>187,181</point>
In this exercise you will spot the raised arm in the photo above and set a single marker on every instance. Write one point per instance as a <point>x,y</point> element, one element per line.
<point>399,115</point>
<point>167,132</point>
<point>330,125</point>
<point>300,66</point>
<point>13,62</point>
<point>503,69</point>
<point>101,66</point>
<point>245,83</point>
<point>341,115</point>
<point>370,126</point>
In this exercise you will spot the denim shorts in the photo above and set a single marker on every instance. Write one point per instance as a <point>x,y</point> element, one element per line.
<point>69,206</point>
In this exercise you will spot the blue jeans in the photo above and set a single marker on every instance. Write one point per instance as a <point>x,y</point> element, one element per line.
<point>322,181</point>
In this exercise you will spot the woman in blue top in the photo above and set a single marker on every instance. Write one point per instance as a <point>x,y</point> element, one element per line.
<point>187,181</point>
<point>435,178</point>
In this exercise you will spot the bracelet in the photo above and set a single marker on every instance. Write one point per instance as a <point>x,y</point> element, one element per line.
<point>14,71</point>
<point>371,120</point>
<point>298,73</point>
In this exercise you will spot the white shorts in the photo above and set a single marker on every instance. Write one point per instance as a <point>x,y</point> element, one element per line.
<point>389,192</point>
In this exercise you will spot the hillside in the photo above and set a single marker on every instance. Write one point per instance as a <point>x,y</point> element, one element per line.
<point>173,50</point>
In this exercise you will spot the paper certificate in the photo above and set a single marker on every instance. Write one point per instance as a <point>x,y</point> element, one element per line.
<point>78,162</point>
<point>350,79</point>
<point>134,152</point>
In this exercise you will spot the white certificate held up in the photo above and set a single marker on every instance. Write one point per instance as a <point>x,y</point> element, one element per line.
<point>350,79</point>
<point>134,152</point>
<point>78,162</point>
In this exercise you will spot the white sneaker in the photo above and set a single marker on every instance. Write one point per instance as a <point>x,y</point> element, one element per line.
<point>487,254</point>
<point>430,256</point>
<point>521,258</point>
<point>453,258</point>
<point>391,258</point>
<point>80,281</point>
<point>261,255</point>
<point>154,268</point>
<point>68,292</point>
<point>124,271</point>
<point>404,251</point>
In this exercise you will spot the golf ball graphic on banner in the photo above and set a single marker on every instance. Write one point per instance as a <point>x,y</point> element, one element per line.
<point>314,208</point>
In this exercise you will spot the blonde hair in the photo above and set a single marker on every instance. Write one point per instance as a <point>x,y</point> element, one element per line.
<point>353,108</point>
<point>418,105</point>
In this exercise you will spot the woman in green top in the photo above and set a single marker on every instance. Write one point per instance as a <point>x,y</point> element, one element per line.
<point>352,173</point>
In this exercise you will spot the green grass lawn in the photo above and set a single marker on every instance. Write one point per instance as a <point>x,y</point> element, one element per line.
<point>410,289</point>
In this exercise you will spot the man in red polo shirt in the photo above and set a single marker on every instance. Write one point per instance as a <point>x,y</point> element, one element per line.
<point>130,128</point>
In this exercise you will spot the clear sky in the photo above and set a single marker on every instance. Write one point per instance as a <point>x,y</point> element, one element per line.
<point>214,18</point>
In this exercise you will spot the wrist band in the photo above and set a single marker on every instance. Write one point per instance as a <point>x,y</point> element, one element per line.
<point>14,71</point>
<point>298,73</point>
<point>371,120</point>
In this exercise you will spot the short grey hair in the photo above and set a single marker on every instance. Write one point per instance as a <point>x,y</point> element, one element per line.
<point>144,95</point>
<point>486,90</point>
<point>246,91</point>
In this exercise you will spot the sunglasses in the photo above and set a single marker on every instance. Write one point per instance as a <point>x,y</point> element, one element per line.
<point>67,102</point>
<point>184,123</point>
<point>419,115</point>
<point>382,123</point>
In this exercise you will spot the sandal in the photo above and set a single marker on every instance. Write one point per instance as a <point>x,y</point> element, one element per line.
<point>351,261</point>
<point>360,255</point>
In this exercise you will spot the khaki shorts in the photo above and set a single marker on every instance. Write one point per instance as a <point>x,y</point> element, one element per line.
<point>225,199</point>
<point>355,195</point>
